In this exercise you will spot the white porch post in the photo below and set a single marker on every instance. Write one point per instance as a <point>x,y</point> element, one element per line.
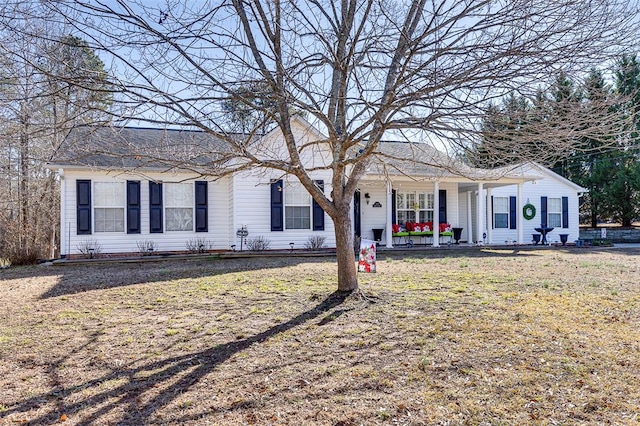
<point>64,231</point>
<point>436,214</point>
<point>489,217</point>
<point>480,214</point>
<point>519,218</point>
<point>469,218</point>
<point>388,228</point>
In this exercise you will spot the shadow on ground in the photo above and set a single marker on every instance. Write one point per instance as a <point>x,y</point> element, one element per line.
<point>189,369</point>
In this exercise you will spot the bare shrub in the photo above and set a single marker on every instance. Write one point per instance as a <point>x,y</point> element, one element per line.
<point>89,248</point>
<point>146,247</point>
<point>258,244</point>
<point>198,245</point>
<point>315,242</point>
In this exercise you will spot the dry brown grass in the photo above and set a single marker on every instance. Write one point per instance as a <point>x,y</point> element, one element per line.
<point>445,337</point>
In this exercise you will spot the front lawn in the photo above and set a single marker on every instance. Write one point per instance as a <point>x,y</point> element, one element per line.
<point>548,336</point>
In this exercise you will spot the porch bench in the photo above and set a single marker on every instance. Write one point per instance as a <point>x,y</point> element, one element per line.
<point>400,235</point>
<point>421,234</point>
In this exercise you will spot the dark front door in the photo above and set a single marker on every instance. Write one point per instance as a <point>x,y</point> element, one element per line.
<point>357,222</point>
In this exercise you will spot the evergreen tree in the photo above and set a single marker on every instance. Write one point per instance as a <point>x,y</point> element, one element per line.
<point>621,174</point>
<point>596,168</point>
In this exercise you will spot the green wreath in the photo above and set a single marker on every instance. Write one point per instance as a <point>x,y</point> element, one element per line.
<point>529,211</point>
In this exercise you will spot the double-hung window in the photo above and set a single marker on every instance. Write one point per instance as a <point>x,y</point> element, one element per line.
<point>554,212</point>
<point>178,202</point>
<point>501,212</point>
<point>297,203</point>
<point>425,207</point>
<point>412,207</point>
<point>405,207</point>
<point>108,206</point>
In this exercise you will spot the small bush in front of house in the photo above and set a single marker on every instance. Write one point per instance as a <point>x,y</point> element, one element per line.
<point>146,247</point>
<point>89,248</point>
<point>315,242</point>
<point>258,244</point>
<point>198,245</point>
<point>4,263</point>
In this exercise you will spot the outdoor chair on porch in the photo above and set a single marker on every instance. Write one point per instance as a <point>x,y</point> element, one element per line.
<point>400,234</point>
<point>446,232</point>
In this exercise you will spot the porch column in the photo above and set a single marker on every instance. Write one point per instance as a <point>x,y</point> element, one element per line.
<point>389,228</point>
<point>436,214</point>
<point>481,213</point>
<point>64,226</point>
<point>469,218</point>
<point>519,218</point>
<point>489,217</point>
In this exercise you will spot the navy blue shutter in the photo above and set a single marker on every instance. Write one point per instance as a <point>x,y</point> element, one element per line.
<point>155,207</point>
<point>442,213</point>
<point>543,212</point>
<point>83,204</point>
<point>493,215</point>
<point>357,222</point>
<point>133,207</point>
<point>513,213</point>
<point>277,206</point>
<point>565,212</point>
<point>202,206</point>
<point>393,207</point>
<point>318,213</point>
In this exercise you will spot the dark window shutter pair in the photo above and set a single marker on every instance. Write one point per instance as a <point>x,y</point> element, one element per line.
<point>83,207</point>
<point>277,208</point>
<point>155,207</point>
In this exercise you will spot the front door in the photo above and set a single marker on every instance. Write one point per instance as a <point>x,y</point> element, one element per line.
<point>357,222</point>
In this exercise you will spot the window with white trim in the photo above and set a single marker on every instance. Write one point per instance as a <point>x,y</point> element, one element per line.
<point>425,207</point>
<point>108,206</point>
<point>554,212</point>
<point>408,204</point>
<point>405,207</point>
<point>178,203</point>
<point>501,212</point>
<point>297,206</point>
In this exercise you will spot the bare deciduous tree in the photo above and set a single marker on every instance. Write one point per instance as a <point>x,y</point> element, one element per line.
<point>38,106</point>
<point>359,69</point>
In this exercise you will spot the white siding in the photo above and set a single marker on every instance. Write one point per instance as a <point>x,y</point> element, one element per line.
<point>252,202</point>
<point>121,242</point>
<point>532,192</point>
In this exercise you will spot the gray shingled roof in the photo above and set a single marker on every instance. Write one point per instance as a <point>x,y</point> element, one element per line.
<point>131,147</point>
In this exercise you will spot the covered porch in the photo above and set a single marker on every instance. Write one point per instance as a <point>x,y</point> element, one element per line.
<point>411,212</point>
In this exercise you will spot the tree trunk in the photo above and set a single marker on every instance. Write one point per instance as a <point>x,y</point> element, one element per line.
<point>347,275</point>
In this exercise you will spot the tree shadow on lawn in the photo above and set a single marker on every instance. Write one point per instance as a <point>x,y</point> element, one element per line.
<point>187,369</point>
<point>86,277</point>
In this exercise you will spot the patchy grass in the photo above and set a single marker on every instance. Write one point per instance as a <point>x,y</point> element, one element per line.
<point>442,337</point>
